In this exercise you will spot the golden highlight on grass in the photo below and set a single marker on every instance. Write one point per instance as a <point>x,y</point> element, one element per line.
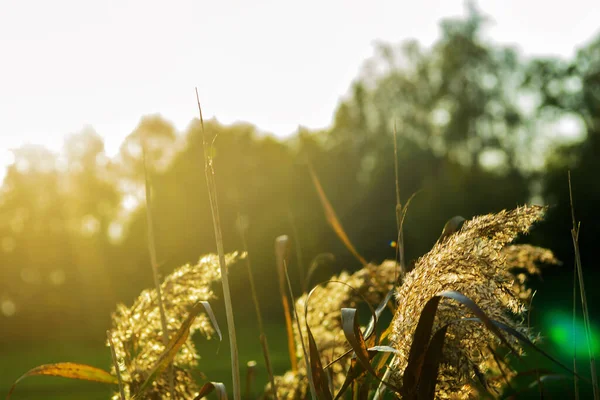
<point>372,282</point>
<point>209,173</point>
<point>136,331</point>
<point>472,262</point>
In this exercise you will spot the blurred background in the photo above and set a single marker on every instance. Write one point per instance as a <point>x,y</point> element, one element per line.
<point>493,104</point>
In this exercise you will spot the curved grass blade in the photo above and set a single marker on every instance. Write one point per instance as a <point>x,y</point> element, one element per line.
<point>452,226</point>
<point>375,317</point>
<point>316,373</point>
<point>375,314</point>
<point>68,370</point>
<point>212,317</point>
<point>332,217</point>
<point>355,337</point>
<point>383,349</point>
<point>424,328</point>
<point>210,387</point>
<point>171,350</point>
<point>354,372</point>
<point>431,365</point>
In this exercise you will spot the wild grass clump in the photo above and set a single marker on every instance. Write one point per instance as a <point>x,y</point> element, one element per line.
<point>321,310</point>
<point>484,272</point>
<point>474,262</point>
<point>137,330</point>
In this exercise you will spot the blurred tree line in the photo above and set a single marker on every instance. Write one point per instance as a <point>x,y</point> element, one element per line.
<point>478,131</point>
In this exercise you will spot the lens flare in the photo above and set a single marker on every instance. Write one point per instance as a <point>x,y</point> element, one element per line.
<point>564,335</point>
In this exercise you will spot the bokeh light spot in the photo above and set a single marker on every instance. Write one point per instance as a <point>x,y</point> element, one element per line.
<point>559,325</point>
<point>8,308</point>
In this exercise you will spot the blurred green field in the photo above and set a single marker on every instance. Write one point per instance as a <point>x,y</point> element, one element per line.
<point>17,358</point>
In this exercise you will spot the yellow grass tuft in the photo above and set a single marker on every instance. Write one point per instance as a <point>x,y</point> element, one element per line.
<point>137,331</point>
<point>475,262</point>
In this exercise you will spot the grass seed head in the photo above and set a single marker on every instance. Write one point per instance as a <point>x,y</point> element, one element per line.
<point>137,331</point>
<point>474,262</point>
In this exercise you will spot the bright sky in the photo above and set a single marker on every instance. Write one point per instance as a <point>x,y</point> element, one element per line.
<point>66,64</point>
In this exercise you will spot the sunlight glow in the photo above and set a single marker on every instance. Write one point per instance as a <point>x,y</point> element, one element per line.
<point>110,81</point>
<point>130,202</point>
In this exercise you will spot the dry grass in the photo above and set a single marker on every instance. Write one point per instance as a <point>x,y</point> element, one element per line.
<point>474,263</point>
<point>137,331</point>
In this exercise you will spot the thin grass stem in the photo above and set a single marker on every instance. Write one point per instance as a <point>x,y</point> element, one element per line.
<point>261,328</point>
<point>306,356</point>
<point>154,262</point>
<point>115,361</point>
<point>214,207</point>
<point>584,306</point>
<point>281,244</point>
<point>400,239</point>
<point>298,249</point>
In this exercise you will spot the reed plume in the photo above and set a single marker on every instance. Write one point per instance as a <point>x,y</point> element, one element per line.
<point>476,262</point>
<point>372,283</point>
<point>137,331</point>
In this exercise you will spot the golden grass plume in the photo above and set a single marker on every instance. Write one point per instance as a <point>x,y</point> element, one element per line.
<point>324,318</point>
<point>137,331</point>
<point>475,262</point>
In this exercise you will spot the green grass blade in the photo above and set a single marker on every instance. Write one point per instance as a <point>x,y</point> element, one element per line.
<point>209,173</point>
<point>584,305</point>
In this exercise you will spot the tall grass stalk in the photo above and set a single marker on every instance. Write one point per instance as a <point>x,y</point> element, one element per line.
<point>298,249</point>
<point>281,245</point>
<point>584,307</point>
<point>214,207</point>
<point>261,328</point>
<point>400,241</point>
<point>575,378</point>
<point>399,255</point>
<point>306,356</point>
<point>154,261</point>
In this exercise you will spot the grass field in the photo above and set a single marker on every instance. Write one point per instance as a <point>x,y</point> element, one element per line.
<point>17,358</point>
<point>215,364</point>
